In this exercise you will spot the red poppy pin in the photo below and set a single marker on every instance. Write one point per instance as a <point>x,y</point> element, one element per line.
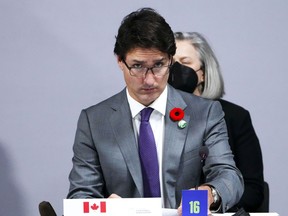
<point>177,114</point>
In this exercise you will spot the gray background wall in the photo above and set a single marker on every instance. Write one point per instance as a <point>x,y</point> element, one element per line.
<point>56,57</point>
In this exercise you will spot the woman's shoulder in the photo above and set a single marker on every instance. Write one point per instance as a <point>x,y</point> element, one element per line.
<point>232,108</point>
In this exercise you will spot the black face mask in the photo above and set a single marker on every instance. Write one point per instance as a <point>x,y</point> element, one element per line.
<point>183,78</point>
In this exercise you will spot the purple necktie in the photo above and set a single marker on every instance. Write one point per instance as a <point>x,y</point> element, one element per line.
<point>148,156</point>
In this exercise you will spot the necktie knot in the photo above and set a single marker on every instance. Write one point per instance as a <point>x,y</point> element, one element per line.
<point>145,114</point>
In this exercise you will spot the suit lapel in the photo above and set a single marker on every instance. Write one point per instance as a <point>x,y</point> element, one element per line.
<point>173,145</point>
<point>122,126</point>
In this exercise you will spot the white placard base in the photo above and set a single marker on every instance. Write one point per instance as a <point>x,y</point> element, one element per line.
<point>112,207</point>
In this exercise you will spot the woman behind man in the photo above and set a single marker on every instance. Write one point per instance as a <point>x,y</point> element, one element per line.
<point>194,51</point>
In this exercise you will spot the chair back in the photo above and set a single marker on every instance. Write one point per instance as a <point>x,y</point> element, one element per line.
<point>46,209</point>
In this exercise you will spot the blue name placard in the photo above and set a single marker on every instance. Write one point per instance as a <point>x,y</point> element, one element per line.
<point>195,202</point>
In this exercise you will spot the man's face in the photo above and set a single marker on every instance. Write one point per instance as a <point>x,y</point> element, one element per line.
<point>147,88</point>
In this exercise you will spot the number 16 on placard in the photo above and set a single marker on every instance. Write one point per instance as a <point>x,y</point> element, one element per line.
<point>194,207</point>
<point>194,202</point>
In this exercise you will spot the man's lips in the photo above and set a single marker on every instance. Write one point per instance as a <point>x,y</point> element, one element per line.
<point>148,89</point>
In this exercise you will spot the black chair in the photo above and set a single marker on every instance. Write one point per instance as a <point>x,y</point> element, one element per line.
<point>264,207</point>
<point>46,209</point>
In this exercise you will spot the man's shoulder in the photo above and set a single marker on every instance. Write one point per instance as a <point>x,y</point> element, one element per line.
<point>187,97</point>
<point>192,102</point>
<point>111,102</point>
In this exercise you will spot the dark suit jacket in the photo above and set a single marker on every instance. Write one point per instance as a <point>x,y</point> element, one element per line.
<point>106,158</point>
<point>248,157</point>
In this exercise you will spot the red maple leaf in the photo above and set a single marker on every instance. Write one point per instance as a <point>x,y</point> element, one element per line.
<point>94,206</point>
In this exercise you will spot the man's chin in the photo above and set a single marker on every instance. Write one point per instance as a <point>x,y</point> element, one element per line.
<point>146,100</point>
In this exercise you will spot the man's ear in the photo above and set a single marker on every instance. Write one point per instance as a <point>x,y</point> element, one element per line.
<point>119,62</point>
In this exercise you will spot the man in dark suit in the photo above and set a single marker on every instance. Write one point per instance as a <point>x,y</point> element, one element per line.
<point>107,161</point>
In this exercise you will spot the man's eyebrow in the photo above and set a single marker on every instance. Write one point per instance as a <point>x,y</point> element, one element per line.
<point>143,62</point>
<point>137,61</point>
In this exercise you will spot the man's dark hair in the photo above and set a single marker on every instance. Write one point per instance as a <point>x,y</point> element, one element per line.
<point>144,28</point>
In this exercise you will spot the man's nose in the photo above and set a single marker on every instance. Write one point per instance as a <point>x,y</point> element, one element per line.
<point>149,77</point>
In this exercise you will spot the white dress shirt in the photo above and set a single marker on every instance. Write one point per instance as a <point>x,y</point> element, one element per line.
<point>156,121</point>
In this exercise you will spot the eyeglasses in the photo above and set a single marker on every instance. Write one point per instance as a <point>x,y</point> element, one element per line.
<point>139,71</point>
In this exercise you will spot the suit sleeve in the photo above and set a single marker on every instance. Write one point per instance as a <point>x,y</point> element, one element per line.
<point>86,178</point>
<point>248,158</point>
<point>220,169</point>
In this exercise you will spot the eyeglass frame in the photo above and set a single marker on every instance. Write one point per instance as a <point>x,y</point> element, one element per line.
<point>149,68</point>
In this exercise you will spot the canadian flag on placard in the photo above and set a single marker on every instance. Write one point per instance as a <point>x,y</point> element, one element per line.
<point>94,207</point>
